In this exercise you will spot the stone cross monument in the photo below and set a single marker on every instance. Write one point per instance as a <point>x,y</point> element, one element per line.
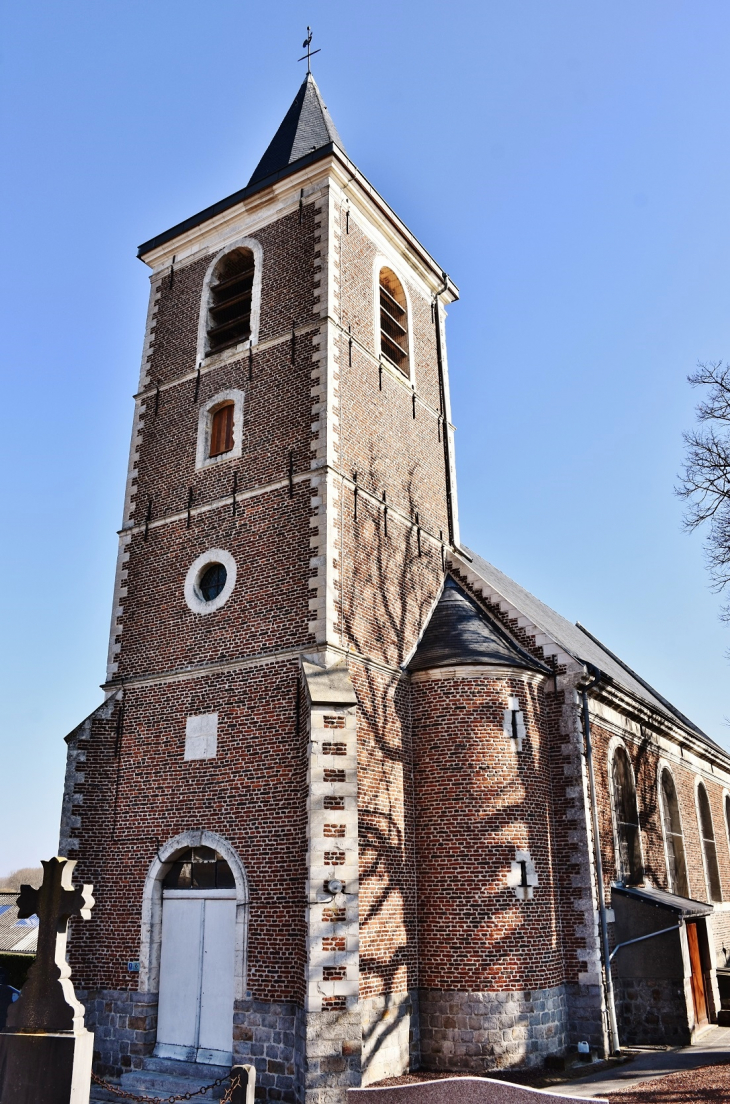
<point>45,1049</point>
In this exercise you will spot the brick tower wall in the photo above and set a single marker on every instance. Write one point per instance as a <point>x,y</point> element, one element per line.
<point>391,522</point>
<point>136,790</point>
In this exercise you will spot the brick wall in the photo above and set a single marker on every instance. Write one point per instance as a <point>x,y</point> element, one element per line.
<point>390,571</point>
<point>253,794</point>
<point>645,756</point>
<point>386,844</point>
<point>478,801</point>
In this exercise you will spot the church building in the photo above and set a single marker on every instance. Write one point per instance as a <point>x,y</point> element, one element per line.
<point>356,802</point>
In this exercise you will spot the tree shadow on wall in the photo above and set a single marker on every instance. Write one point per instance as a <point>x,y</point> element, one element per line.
<point>649,812</point>
<point>387,594</point>
<point>392,577</point>
<point>387,580</point>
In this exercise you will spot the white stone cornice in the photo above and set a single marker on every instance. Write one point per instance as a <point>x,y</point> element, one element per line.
<point>243,218</point>
<point>262,207</point>
<point>481,670</point>
<point>223,502</point>
<point>229,356</point>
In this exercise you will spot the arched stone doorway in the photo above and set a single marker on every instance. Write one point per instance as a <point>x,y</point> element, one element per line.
<point>193,949</point>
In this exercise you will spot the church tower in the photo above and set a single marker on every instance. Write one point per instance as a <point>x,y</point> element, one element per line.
<point>339,806</point>
<point>242,801</point>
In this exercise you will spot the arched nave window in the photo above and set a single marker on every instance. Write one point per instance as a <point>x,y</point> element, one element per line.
<point>709,848</point>
<point>676,860</point>
<point>626,820</point>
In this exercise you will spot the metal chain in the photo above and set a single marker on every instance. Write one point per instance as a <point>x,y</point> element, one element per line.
<point>235,1084</point>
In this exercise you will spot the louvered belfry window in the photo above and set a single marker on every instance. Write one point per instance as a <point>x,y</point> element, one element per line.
<point>229,307</point>
<point>393,321</point>
<point>221,430</point>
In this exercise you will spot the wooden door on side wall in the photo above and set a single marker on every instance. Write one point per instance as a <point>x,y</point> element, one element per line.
<point>699,996</point>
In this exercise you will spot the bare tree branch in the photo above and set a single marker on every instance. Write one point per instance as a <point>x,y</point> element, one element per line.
<point>705,479</point>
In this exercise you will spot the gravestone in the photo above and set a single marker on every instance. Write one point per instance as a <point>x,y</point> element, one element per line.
<point>7,995</point>
<point>45,1049</point>
<point>243,1081</point>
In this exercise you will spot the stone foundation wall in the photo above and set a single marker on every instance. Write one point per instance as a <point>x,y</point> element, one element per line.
<point>491,1030</point>
<point>585,1015</point>
<point>333,1055</point>
<point>390,1036</point>
<point>651,1012</point>
<point>124,1023</point>
<point>271,1038</point>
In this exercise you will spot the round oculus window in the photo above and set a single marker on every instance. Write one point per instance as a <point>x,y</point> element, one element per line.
<point>212,581</point>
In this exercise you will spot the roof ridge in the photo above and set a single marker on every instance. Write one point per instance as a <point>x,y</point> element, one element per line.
<point>647,685</point>
<point>562,634</point>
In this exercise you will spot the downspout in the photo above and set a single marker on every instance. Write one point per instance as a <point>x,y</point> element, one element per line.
<point>442,401</point>
<point>641,938</point>
<point>610,999</point>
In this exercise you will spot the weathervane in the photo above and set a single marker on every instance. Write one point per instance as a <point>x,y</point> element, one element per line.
<point>307,57</point>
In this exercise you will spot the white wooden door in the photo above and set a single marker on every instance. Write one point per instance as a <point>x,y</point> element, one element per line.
<point>177,1014</point>
<point>195,1013</point>
<point>215,1038</point>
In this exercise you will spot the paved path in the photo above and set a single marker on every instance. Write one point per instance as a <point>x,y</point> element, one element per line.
<point>713,1046</point>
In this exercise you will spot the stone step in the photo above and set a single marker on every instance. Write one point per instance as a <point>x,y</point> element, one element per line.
<point>160,1085</point>
<point>101,1096</point>
<point>179,1068</point>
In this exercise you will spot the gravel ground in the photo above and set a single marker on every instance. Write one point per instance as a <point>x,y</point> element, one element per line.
<point>536,1079</point>
<point>533,1078</point>
<point>705,1085</point>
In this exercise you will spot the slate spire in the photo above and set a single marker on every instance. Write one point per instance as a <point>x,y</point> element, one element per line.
<point>306,128</point>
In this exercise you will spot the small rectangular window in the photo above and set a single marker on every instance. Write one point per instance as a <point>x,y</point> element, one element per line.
<point>221,430</point>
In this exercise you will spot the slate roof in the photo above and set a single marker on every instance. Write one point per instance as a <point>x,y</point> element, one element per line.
<point>661,898</point>
<point>460,633</point>
<point>306,135</point>
<point>306,128</point>
<point>18,936</point>
<point>578,642</point>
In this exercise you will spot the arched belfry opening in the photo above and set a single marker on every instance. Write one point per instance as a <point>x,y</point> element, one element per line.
<point>230,295</point>
<point>393,321</point>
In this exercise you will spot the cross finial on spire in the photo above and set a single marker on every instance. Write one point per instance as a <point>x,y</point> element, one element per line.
<point>307,57</point>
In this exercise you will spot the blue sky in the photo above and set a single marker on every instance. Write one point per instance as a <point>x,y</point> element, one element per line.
<point>567,163</point>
